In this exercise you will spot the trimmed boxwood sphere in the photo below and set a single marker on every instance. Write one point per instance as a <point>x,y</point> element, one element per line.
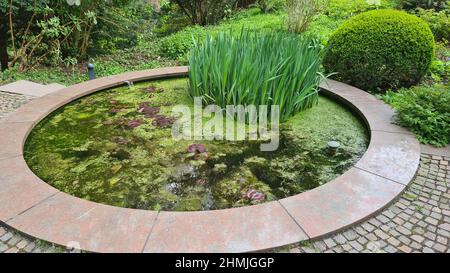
<point>380,49</point>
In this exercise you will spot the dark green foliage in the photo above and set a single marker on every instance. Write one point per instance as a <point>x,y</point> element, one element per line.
<point>177,45</point>
<point>440,68</point>
<point>52,32</point>
<point>122,27</point>
<point>381,49</point>
<point>270,5</point>
<point>439,22</point>
<point>170,19</point>
<point>426,111</point>
<point>426,4</point>
<point>205,12</point>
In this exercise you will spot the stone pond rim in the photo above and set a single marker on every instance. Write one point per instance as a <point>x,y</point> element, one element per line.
<point>33,207</point>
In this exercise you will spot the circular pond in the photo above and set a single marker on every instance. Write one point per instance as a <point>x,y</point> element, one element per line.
<point>116,147</point>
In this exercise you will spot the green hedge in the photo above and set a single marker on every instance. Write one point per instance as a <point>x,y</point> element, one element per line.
<point>380,49</point>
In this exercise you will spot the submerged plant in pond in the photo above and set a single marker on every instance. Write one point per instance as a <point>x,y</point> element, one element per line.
<point>256,69</point>
<point>153,89</point>
<point>128,159</point>
<point>149,112</point>
<point>254,195</point>
<point>134,123</point>
<point>196,148</point>
<point>163,121</point>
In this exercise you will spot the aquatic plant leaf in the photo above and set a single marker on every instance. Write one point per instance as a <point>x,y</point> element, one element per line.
<point>121,140</point>
<point>120,122</point>
<point>143,104</point>
<point>153,89</point>
<point>150,112</point>
<point>255,195</point>
<point>196,148</point>
<point>115,110</point>
<point>108,122</point>
<point>162,121</point>
<point>134,123</point>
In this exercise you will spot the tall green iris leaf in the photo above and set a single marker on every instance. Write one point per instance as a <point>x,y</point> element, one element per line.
<point>259,68</point>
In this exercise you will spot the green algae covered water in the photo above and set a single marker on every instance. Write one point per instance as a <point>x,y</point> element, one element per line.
<point>116,147</point>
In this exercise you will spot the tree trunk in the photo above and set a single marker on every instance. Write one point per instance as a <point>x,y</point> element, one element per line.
<point>3,41</point>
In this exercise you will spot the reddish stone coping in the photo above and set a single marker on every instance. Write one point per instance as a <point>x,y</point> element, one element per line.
<point>32,206</point>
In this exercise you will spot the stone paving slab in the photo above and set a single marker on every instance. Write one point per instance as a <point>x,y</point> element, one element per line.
<point>428,149</point>
<point>29,88</point>
<point>67,220</point>
<point>12,138</point>
<point>392,156</point>
<point>233,230</point>
<point>21,184</point>
<point>378,115</point>
<point>347,199</point>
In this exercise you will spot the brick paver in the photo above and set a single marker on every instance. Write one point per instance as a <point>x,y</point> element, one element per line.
<point>418,222</point>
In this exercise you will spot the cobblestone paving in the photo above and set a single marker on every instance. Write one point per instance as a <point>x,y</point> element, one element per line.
<point>418,222</point>
<point>13,242</point>
<point>9,102</point>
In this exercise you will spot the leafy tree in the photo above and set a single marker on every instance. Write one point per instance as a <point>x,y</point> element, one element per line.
<point>49,31</point>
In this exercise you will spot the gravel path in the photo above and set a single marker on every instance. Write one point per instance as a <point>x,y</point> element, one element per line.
<point>418,222</point>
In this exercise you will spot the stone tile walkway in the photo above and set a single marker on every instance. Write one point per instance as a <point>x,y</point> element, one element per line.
<point>418,222</point>
<point>32,89</point>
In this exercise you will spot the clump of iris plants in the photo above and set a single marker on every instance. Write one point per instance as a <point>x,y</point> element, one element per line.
<point>257,68</point>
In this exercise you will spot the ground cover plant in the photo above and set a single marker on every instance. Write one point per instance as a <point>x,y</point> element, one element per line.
<point>426,111</point>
